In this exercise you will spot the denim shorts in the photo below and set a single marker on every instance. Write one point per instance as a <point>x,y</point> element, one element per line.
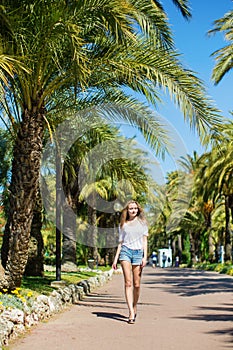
<point>134,256</point>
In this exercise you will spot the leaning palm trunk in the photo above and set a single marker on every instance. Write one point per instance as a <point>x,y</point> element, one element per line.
<point>23,190</point>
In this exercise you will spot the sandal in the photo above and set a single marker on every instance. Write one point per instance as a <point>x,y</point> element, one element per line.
<point>131,320</point>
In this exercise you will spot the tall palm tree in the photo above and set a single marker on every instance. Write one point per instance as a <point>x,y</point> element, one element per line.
<point>217,176</point>
<point>184,207</point>
<point>204,199</point>
<point>66,44</point>
<point>58,52</point>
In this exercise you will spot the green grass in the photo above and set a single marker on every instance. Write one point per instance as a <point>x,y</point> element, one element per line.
<point>42,285</point>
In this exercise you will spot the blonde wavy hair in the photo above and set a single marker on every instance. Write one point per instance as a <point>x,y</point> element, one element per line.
<point>125,214</point>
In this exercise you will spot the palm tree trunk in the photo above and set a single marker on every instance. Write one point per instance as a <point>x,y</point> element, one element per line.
<point>230,201</point>
<point>112,223</point>
<point>35,263</point>
<point>210,237</point>
<point>208,220</point>
<point>70,206</point>
<point>192,248</point>
<point>228,246</point>
<point>23,191</point>
<point>211,246</point>
<point>69,236</point>
<point>180,249</point>
<point>93,232</point>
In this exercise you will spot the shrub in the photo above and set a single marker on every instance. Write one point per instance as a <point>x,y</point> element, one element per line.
<point>15,299</point>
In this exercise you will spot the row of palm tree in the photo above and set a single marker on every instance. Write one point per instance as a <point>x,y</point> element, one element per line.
<point>198,217</point>
<point>198,205</point>
<point>73,54</point>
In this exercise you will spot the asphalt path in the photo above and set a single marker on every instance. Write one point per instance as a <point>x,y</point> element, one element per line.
<point>181,309</point>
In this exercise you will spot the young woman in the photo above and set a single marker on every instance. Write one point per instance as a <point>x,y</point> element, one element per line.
<point>132,253</point>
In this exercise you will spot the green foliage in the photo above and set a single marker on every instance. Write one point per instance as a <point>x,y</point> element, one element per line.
<point>49,239</point>
<point>17,298</point>
<point>226,268</point>
<point>204,245</point>
<point>11,301</point>
<point>82,253</point>
<point>223,56</point>
<point>186,256</point>
<point>50,259</point>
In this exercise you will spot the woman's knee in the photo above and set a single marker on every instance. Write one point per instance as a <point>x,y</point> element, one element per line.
<point>128,283</point>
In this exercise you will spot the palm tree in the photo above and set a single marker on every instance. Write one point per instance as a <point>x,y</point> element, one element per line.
<point>159,211</point>
<point>183,6</point>
<point>117,160</point>
<point>63,46</point>
<point>223,56</point>
<point>212,182</point>
<point>217,177</point>
<point>183,218</point>
<point>66,45</point>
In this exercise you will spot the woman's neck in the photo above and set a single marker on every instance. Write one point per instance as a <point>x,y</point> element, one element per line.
<point>132,219</point>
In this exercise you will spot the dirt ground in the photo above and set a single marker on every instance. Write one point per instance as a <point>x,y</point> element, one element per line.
<point>179,309</point>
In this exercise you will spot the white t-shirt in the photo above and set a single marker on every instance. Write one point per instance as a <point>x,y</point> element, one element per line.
<point>132,232</point>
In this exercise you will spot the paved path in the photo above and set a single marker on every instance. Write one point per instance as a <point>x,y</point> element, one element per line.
<point>179,309</point>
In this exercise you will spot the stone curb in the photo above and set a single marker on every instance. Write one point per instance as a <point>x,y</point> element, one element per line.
<point>14,322</point>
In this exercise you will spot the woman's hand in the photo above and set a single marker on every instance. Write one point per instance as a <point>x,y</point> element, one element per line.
<point>114,265</point>
<point>144,262</point>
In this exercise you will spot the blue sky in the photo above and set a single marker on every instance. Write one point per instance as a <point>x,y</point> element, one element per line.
<point>195,46</point>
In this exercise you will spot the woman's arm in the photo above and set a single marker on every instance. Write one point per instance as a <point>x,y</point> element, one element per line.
<point>114,265</point>
<point>144,260</point>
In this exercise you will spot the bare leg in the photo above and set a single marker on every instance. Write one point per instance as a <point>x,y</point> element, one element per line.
<point>136,284</point>
<point>127,272</point>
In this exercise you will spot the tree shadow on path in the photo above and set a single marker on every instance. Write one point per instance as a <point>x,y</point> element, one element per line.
<point>188,282</point>
<point>193,283</point>
<point>218,314</point>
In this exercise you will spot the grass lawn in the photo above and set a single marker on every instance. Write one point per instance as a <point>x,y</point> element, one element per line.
<point>42,285</point>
